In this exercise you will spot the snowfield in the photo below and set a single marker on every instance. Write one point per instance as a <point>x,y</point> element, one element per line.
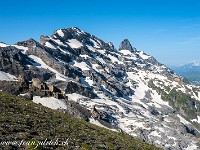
<point>60,32</point>
<point>74,43</point>
<point>7,76</point>
<point>50,102</point>
<point>3,45</point>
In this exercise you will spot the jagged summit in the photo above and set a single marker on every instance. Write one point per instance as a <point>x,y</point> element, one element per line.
<point>68,32</point>
<point>125,45</point>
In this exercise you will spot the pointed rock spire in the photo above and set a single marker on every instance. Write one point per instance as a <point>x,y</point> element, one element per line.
<point>125,44</point>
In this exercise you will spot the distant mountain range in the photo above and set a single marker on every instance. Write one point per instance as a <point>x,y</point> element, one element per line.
<point>190,71</point>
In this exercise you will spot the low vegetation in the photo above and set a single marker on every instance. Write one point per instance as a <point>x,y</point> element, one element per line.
<point>23,120</point>
<point>186,105</point>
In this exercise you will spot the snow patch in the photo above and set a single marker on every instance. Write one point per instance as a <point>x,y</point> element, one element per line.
<point>41,64</point>
<point>143,55</point>
<point>155,133</point>
<point>50,102</point>
<point>126,52</point>
<point>96,45</point>
<point>196,120</point>
<point>50,45</point>
<point>91,48</point>
<point>75,97</point>
<point>101,60</point>
<point>60,32</point>
<point>192,147</point>
<point>81,65</point>
<point>74,43</point>
<point>21,47</point>
<point>3,45</point>
<point>59,42</point>
<point>115,59</point>
<point>7,77</point>
<point>183,120</point>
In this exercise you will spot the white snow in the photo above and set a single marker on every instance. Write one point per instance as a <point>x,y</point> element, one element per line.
<point>158,100</point>
<point>3,45</point>
<point>196,120</point>
<point>41,64</point>
<point>75,97</point>
<point>74,43</point>
<point>81,65</point>
<point>96,45</point>
<point>156,76</point>
<point>96,122</point>
<point>101,60</point>
<point>64,51</point>
<point>86,81</point>
<point>21,47</point>
<point>183,120</point>
<point>7,76</point>
<point>85,56</point>
<point>114,59</point>
<point>60,32</point>
<point>143,55</point>
<point>50,102</point>
<point>91,48</point>
<point>78,31</point>
<point>155,133</point>
<point>89,81</point>
<point>126,52</point>
<point>195,64</point>
<point>59,42</point>
<point>50,45</point>
<point>95,67</point>
<point>192,147</point>
<point>102,51</point>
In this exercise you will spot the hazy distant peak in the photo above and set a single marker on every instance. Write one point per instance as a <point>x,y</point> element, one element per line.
<point>195,63</point>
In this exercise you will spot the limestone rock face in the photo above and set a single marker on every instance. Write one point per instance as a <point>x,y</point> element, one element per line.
<point>125,45</point>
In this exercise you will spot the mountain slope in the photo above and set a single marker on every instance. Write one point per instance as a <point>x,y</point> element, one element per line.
<point>23,120</point>
<point>190,71</point>
<point>126,89</point>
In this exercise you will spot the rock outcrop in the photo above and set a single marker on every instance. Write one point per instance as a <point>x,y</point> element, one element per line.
<point>125,45</point>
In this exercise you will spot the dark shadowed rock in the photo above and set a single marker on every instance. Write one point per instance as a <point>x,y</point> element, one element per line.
<point>125,44</point>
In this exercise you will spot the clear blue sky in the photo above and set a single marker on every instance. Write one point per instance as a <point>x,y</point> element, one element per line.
<point>167,29</point>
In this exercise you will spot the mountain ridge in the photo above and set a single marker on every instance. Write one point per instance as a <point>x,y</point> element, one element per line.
<point>124,88</point>
<point>191,71</point>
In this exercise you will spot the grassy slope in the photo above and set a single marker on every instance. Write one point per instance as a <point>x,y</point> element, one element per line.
<point>23,120</point>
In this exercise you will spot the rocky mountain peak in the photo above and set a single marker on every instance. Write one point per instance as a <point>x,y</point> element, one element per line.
<point>28,43</point>
<point>44,39</point>
<point>75,29</point>
<point>129,89</point>
<point>111,45</point>
<point>125,45</point>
